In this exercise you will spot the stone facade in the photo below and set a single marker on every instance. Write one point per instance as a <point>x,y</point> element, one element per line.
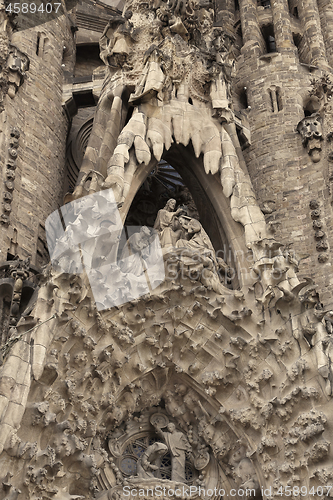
<point>180,338</point>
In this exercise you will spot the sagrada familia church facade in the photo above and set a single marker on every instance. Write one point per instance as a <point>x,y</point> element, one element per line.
<point>166,311</point>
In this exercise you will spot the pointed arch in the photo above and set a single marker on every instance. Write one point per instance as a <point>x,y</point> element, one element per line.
<point>214,208</point>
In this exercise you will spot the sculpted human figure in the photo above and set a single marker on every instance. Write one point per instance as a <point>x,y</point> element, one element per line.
<point>198,255</point>
<point>130,260</point>
<point>116,40</point>
<point>165,223</point>
<point>178,446</point>
<point>222,69</point>
<point>146,465</point>
<point>197,239</point>
<point>153,77</point>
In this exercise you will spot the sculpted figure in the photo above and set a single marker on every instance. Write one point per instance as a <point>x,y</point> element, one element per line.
<point>146,465</point>
<point>198,257</point>
<point>197,239</point>
<point>244,469</point>
<point>178,446</point>
<point>116,40</point>
<point>222,70</point>
<point>131,256</point>
<point>165,223</point>
<point>153,77</point>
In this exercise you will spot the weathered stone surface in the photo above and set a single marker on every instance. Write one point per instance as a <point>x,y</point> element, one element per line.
<point>219,375</point>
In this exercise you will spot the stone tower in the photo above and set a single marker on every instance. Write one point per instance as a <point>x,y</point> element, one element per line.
<point>285,52</point>
<point>176,155</point>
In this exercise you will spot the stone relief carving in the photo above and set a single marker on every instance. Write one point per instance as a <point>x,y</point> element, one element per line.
<point>310,129</point>
<point>94,391</point>
<point>322,244</point>
<point>18,65</point>
<point>10,175</point>
<point>244,470</point>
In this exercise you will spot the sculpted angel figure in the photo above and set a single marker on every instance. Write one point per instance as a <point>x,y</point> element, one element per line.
<point>153,77</point>
<point>115,42</point>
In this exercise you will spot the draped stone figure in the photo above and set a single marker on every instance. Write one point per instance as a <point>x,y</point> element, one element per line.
<point>165,223</point>
<point>178,446</point>
<point>198,240</point>
<point>146,464</point>
<point>131,256</point>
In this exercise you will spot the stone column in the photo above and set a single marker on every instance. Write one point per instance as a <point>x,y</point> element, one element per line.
<point>252,36</point>
<point>326,17</point>
<point>282,26</point>
<point>309,15</point>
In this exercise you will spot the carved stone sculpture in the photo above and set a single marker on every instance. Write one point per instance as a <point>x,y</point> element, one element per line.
<point>18,64</point>
<point>180,67</point>
<point>311,132</point>
<point>178,446</point>
<point>130,257</point>
<point>146,464</point>
<point>165,223</point>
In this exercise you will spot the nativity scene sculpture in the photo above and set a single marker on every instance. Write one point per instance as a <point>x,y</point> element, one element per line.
<point>183,239</point>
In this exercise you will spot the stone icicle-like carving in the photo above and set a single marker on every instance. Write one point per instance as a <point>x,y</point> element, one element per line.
<point>181,73</point>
